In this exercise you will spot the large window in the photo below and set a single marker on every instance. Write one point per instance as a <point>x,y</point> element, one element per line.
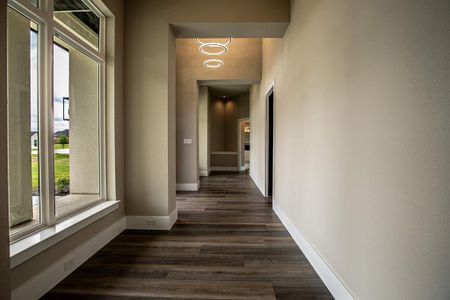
<point>55,111</point>
<point>75,128</point>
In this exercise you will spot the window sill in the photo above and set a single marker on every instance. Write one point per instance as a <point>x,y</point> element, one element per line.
<point>28,247</point>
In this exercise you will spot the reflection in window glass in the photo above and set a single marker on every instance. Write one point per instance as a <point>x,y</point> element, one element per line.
<point>79,18</point>
<point>23,123</point>
<point>34,2</point>
<point>76,129</point>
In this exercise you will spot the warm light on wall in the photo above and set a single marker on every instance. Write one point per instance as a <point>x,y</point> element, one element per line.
<point>213,49</point>
<point>247,129</point>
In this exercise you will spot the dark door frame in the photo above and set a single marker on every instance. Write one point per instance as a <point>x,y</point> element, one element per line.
<point>270,142</point>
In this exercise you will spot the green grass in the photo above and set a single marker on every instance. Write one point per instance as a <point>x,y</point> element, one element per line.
<point>61,169</point>
<point>60,146</point>
<point>34,172</point>
<point>61,166</point>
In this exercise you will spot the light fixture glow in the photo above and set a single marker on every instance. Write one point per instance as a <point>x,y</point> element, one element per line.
<point>225,44</point>
<point>213,49</point>
<point>222,49</point>
<point>213,63</point>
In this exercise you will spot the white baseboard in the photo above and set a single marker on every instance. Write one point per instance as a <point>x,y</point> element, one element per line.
<point>188,186</point>
<point>334,284</point>
<point>204,173</point>
<point>256,183</point>
<point>224,169</point>
<point>40,284</point>
<point>152,222</point>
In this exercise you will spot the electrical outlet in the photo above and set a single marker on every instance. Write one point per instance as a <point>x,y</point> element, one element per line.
<point>69,264</point>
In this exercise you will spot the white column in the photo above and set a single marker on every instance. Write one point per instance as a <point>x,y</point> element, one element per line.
<point>83,139</point>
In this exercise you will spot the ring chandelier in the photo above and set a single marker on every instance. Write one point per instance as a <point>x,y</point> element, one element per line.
<point>213,63</point>
<point>221,49</point>
<point>213,49</point>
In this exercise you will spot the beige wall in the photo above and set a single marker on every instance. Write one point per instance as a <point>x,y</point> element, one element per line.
<point>270,60</point>
<point>149,141</point>
<point>235,109</point>
<point>224,115</point>
<point>362,126</point>
<point>241,62</point>
<point>33,266</point>
<point>148,111</point>
<point>217,117</point>
<point>4,226</point>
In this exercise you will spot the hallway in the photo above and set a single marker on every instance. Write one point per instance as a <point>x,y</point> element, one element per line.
<point>226,244</point>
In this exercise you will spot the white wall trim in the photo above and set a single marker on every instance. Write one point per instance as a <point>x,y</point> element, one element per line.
<point>224,152</point>
<point>224,169</point>
<point>261,189</point>
<point>270,87</point>
<point>204,173</point>
<point>40,284</point>
<point>152,222</point>
<point>188,186</point>
<point>34,244</point>
<point>334,284</point>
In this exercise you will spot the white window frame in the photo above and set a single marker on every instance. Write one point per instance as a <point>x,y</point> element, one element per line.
<point>48,27</point>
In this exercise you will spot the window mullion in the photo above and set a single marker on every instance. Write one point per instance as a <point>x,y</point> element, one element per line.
<point>75,41</point>
<point>46,100</point>
<point>102,131</point>
<point>102,111</point>
<point>102,34</point>
<point>33,13</point>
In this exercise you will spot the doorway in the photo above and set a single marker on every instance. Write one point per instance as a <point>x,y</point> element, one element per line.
<point>223,105</point>
<point>269,143</point>
<point>244,144</point>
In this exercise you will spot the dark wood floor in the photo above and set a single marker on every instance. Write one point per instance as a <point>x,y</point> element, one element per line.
<point>227,244</point>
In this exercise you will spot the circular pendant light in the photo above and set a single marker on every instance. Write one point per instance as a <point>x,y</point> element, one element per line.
<point>225,44</point>
<point>213,63</point>
<point>213,49</point>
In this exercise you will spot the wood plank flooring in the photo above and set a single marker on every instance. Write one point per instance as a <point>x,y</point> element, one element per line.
<point>226,244</point>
